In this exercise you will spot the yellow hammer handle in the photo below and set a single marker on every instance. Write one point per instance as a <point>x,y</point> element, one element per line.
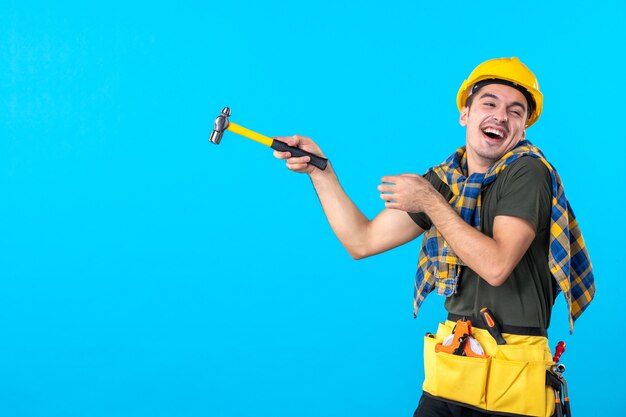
<point>240,130</point>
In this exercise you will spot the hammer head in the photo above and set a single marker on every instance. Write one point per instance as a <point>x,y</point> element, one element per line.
<point>220,125</point>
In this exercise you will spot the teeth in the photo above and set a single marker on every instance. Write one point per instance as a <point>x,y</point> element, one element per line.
<point>494,132</point>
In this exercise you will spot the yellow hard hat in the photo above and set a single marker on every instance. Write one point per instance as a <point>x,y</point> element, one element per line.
<point>512,72</point>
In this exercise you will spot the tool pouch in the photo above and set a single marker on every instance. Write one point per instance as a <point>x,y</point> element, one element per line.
<point>511,379</point>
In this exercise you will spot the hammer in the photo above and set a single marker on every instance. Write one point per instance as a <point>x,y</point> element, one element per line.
<point>222,123</point>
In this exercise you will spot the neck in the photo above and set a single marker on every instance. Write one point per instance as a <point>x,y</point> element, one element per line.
<point>476,164</point>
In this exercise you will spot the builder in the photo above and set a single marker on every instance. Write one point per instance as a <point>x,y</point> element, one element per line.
<point>496,223</point>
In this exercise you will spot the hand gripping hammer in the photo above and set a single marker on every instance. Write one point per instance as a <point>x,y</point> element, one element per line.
<point>222,123</point>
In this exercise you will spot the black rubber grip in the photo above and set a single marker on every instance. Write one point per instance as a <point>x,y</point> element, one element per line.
<point>568,411</point>
<point>316,161</point>
<point>492,325</point>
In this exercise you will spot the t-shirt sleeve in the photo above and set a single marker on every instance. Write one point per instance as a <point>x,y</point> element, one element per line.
<point>527,192</point>
<point>421,219</point>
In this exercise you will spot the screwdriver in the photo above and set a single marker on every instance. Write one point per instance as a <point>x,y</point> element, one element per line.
<point>492,325</point>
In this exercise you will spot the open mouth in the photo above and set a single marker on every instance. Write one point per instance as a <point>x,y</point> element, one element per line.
<point>493,133</point>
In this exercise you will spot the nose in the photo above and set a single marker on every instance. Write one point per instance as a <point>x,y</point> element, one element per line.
<point>500,114</point>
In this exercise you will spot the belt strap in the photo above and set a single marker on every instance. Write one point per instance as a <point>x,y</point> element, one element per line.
<point>520,330</point>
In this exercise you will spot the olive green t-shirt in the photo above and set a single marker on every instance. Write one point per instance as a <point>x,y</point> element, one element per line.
<point>524,190</point>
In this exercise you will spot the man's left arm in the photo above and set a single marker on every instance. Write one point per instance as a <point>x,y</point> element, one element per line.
<point>492,258</point>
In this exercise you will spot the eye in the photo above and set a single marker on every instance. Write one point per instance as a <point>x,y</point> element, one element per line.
<point>489,104</point>
<point>516,113</point>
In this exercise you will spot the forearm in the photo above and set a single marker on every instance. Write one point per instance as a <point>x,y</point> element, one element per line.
<point>360,236</point>
<point>347,221</point>
<point>478,251</point>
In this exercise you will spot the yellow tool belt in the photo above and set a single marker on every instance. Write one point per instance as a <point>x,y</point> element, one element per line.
<point>512,379</point>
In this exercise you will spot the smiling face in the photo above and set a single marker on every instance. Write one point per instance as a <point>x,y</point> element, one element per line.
<point>495,122</point>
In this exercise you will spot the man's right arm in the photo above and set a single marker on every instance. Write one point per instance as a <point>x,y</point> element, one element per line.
<point>360,236</point>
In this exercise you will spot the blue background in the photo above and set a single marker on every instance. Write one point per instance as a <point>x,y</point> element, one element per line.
<point>146,272</point>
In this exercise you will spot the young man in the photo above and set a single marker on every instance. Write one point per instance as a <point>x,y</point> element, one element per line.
<point>497,225</point>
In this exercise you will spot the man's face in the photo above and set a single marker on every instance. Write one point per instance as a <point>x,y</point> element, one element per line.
<point>494,123</point>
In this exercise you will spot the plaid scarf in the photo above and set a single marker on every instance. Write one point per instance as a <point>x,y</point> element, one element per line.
<point>439,267</point>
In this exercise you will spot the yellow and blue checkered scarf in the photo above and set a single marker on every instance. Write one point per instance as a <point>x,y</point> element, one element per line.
<point>439,267</point>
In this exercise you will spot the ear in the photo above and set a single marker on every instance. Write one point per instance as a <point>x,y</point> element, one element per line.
<point>523,134</point>
<point>464,115</point>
